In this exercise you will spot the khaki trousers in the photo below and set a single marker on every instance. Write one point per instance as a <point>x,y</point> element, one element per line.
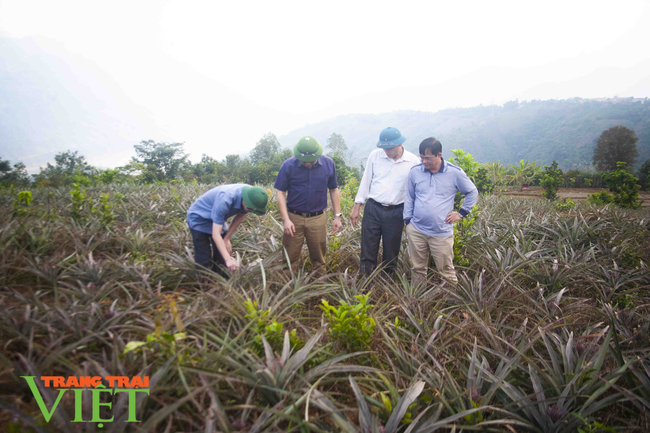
<point>442,249</point>
<point>312,229</point>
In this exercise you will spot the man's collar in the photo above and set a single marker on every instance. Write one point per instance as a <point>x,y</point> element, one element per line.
<point>299,163</point>
<point>440,170</point>
<point>404,156</point>
<point>238,201</point>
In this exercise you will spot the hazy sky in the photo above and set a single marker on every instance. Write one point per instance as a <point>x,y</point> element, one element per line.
<point>218,75</point>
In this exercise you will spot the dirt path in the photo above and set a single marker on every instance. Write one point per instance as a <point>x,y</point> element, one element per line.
<point>572,193</point>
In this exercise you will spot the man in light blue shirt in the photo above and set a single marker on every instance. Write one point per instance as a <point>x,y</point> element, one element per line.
<point>207,221</point>
<point>428,210</point>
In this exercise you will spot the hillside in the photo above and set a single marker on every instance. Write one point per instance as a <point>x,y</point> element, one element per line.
<point>565,130</point>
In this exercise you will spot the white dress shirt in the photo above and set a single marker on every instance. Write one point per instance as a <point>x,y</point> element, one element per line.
<point>384,179</point>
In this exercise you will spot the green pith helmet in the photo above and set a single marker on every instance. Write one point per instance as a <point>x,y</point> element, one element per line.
<point>308,149</point>
<point>255,199</point>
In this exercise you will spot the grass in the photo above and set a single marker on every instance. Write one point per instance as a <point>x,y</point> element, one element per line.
<point>546,331</point>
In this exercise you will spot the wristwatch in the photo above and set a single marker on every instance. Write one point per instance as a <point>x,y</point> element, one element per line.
<point>338,214</point>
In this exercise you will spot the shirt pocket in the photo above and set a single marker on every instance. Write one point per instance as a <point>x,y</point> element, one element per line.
<point>318,180</point>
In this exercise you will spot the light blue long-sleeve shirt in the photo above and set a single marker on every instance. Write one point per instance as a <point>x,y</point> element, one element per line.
<point>430,197</point>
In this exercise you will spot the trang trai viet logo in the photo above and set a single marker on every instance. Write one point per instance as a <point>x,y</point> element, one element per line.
<point>94,385</point>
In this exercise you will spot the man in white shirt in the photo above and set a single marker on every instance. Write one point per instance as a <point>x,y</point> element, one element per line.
<point>383,186</point>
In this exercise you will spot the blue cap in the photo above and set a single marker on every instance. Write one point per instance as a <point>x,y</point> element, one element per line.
<point>390,137</point>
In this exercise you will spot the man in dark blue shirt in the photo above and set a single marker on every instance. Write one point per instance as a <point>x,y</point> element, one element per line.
<point>302,185</point>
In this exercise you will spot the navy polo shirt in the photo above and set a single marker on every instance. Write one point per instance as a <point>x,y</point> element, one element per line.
<point>306,188</point>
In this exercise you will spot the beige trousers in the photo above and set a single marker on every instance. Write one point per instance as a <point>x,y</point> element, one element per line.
<point>442,249</point>
<point>314,231</point>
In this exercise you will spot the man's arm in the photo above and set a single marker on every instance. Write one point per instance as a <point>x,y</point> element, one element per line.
<point>231,231</point>
<point>362,192</point>
<point>354,215</point>
<point>409,200</point>
<point>281,197</point>
<point>221,246</point>
<point>336,206</point>
<point>468,189</point>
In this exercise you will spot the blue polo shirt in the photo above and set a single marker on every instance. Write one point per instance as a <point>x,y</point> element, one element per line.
<point>306,188</point>
<point>430,197</point>
<point>216,206</point>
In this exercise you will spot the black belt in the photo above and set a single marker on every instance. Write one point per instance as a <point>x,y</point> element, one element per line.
<point>306,214</point>
<point>386,206</point>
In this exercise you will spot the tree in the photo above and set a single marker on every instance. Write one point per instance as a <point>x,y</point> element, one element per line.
<point>16,175</point>
<point>265,149</point>
<point>162,161</point>
<point>208,170</point>
<point>336,144</point>
<point>473,170</point>
<point>523,172</point>
<point>496,172</point>
<point>343,172</point>
<point>617,144</point>
<point>69,168</point>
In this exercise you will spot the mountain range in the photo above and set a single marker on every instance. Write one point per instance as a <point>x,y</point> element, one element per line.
<point>543,131</point>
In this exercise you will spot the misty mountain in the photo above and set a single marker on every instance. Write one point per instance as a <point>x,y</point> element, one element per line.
<point>52,100</point>
<point>564,130</point>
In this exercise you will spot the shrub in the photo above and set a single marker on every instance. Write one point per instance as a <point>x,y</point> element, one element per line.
<point>565,205</point>
<point>104,210</point>
<point>270,329</point>
<point>482,181</point>
<point>348,194</point>
<point>78,202</point>
<point>600,198</point>
<point>552,181</point>
<point>350,324</point>
<point>625,187</point>
<point>22,202</point>
<point>462,232</point>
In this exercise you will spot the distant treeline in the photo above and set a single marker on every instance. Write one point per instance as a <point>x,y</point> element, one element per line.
<point>167,162</point>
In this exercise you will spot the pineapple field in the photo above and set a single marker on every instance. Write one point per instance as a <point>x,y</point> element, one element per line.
<point>547,329</point>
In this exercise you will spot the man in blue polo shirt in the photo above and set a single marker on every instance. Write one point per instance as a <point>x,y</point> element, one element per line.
<point>302,185</point>
<point>428,210</point>
<point>207,220</point>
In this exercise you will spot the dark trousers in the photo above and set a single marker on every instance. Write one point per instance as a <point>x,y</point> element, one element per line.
<point>206,254</point>
<point>385,224</point>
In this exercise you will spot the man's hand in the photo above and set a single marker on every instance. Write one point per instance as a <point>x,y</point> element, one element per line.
<point>452,217</point>
<point>231,264</point>
<point>228,245</point>
<point>354,215</point>
<point>289,228</point>
<point>336,224</point>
